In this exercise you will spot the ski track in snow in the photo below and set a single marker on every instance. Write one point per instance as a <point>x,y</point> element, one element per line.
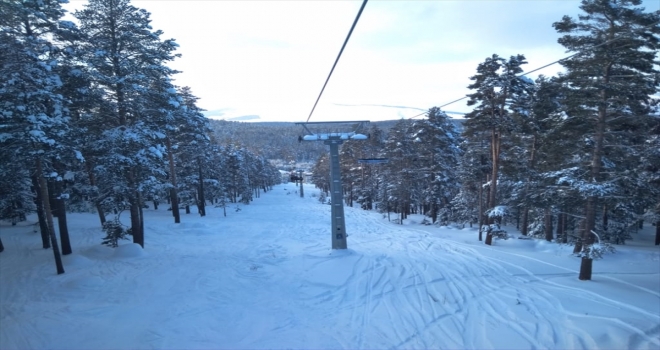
<point>265,277</point>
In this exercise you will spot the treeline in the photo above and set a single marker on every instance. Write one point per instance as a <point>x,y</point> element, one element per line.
<point>273,140</point>
<point>90,120</point>
<point>573,158</point>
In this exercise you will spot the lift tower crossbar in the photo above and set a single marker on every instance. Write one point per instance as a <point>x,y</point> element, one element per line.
<point>334,134</point>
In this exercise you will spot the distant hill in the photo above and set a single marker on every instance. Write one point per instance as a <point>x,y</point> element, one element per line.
<point>279,140</point>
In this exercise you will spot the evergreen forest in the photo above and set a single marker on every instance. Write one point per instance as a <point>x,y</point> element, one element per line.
<point>92,121</point>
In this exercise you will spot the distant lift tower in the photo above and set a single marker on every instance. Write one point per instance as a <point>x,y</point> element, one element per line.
<point>334,134</point>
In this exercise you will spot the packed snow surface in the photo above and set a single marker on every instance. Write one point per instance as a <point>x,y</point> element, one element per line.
<point>265,277</point>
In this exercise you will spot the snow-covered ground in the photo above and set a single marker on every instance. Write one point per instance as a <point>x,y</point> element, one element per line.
<point>265,277</point>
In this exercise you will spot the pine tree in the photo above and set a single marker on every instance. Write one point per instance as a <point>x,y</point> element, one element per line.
<point>321,173</point>
<point>536,149</point>
<point>399,174</point>
<point>609,80</point>
<point>217,178</point>
<point>35,118</point>
<point>127,59</point>
<point>194,145</point>
<point>371,148</point>
<point>472,171</point>
<point>438,154</point>
<point>499,92</point>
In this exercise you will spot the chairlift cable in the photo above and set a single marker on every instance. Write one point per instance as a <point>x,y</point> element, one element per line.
<point>338,56</point>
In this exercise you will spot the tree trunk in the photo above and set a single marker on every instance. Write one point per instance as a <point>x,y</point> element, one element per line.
<point>579,242</point>
<point>434,212</point>
<point>548,224</point>
<point>141,213</point>
<point>590,220</point>
<point>481,210</point>
<point>495,149</point>
<point>92,182</point>
<point>532,163</point>
<point>596,164</point>
<point>560,227</point>
<point>605,220</point>
<point>489,235</point>
<point>488,220</point>
<point>2,247</point>
<point>201,200</point>
<point>41,213</point>
<point>52,200</point>
<point>588,238</point>
<point>302,192</point>
<point>174,200</point>
<point>43,187</point>
<point>525,220</point>
<point>586,267</point>
<point>173,191</point>
<point>657,232</point>
<point>61,219</point>
<point>564,237</point>
<point>136,222</point>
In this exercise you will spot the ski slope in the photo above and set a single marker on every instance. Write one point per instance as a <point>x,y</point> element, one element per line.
<point>265,277</point>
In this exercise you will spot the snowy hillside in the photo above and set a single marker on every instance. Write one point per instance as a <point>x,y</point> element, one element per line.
<point>265,277</point>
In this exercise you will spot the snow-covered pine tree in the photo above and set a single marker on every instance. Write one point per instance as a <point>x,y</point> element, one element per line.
<point>247,161</point>
<point>371,148</point>
<point>397,176</point>
<point>609,80</point>
<point>16,197</point>
<point>321,173</point>
<point>351,170</point>
<point>85,104</point>
<point>650,169</point>
<point>233,170</point>
<point>498,94</point>
<point>127,59</point>
<point>439,154</point>
<point>35,118</point>
<point>192,147</point>
<point>472,171</point>
<point>217,183</point>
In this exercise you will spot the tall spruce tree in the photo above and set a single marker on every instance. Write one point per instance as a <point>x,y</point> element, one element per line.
<point>127,59</point>
<point>609,80</point>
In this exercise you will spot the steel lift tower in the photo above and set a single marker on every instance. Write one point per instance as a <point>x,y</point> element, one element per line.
<point>334,134</point>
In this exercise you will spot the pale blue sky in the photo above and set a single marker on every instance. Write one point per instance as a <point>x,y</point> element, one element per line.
<point>271,58</point>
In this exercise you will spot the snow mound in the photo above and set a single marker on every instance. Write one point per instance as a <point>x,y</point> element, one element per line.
<point>131,250</point>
